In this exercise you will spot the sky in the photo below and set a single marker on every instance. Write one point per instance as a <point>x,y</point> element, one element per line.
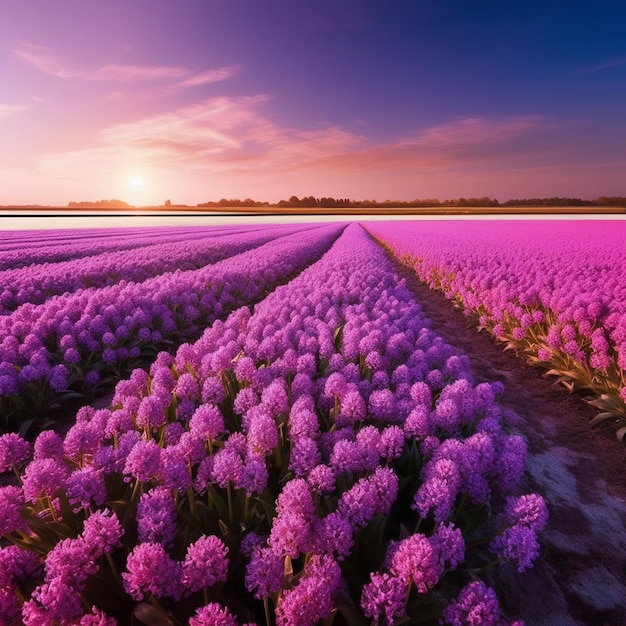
<point>197,100</point>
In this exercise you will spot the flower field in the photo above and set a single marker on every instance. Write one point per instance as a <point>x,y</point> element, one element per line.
<point>287,442</point>
<point>553,291</point>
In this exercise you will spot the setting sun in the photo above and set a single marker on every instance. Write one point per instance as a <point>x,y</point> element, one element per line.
<point>137,183</point>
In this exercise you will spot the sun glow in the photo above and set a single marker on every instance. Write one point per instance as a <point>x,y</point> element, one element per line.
<point>137,183</point>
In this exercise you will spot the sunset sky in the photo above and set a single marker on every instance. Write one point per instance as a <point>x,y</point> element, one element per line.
<point>195,100</point>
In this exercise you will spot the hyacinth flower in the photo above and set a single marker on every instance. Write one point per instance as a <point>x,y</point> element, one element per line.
<point>87,338</point>
<point>291,453</point>
<point>569,318</point>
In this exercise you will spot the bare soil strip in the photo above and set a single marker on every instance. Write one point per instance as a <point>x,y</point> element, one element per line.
<point>580,576</point>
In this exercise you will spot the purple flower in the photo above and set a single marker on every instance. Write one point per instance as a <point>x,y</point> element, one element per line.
<point>304,455</point>
<point>212,391</point>
<point>255,474</point>
<point>207,422</point>
<point>156,517</point>
<point>143,461</point>
<point>48,444</point>
<point>97,618</point>
<point>9,604</point>
<point>416,559</point>
<point>212,614</point>
<point>528,510</point>
<point>206,563</point>
<point>228,465</point>
<point>17,566</point>
<point>391,443</point>
<point>85,486</point>
<point>384,597</point>
<point>102,531</point>
<point>262,430</point>
<point>265,572</point>
<point>321,479</point>
<point>369,496</point>
<point>53,602</point>
<point>451,545</point>
<point>476,605</point>
<point>43,478</point>
<point>13,450</point>
<point>82,440</point>
<point>351,410</point>
<point>335,536</point>
<point>187,387</point>
<point>244,400</point>
<point>518,543</point>
<point>439,490</point>
<point>381,405</point>
<point>58,378</point>
<point>311,599</point>
<point>71,561</point>
<point>176,472</point>
<point>11,503</point>
<point>152,412</point>
<point>152,570</point>
<point>274,397</point>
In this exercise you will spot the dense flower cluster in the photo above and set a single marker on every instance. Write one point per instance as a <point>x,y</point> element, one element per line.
<point>85,335</point>
<point>553,290</point>
<point>151,254</point>
<point>324,453</point>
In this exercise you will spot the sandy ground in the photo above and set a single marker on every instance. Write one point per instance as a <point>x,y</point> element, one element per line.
<point>580,576</point>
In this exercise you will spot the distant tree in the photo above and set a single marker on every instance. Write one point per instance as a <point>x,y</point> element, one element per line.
<point>168,203</point>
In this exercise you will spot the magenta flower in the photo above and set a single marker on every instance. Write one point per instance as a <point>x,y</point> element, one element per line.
<point>85,486</point>
<point>48,444</point>
<point>43,478</point>
<point>311,599</point>
<point>527,510</point>
<point>416,559</point>
<point>143,461</point>
<point>213,614</point>
<point>17,566</point>
<point>102,531</point>
<point>476,605</point>
<point>11,503</point>
<point>519,544</point>
<point>156,517</point>
<point>384,597</point>
<point>206,563</point>
<point>152,570</point>
<point>83,439</point>
<point>13,450</point>
<point>207,422</point>
<point>265,572</point>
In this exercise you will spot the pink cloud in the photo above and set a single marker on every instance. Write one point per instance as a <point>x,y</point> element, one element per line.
<point>10,109</point>
<point>212,76</point>
<point>43,60</point>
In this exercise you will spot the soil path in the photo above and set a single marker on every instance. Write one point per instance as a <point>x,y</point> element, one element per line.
<point>580,576</point>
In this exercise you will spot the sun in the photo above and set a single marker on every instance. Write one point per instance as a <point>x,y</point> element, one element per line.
<point>137,183</point>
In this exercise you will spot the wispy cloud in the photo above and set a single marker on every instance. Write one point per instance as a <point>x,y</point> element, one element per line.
<point>606,65</point>
<point>49,63</point>
<point>43,60</point>
<point>233,135</point>
<point>10,109</point>
<point>212,76</point>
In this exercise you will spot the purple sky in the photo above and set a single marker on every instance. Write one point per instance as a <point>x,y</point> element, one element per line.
<point>195,100</point>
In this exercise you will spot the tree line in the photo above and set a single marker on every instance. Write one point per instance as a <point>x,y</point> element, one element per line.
<point>329,202</point>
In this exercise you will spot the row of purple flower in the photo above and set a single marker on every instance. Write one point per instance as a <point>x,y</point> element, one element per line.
<point>190,249</point>
<point>323,455</point>
<point>553,289</point>
<point>76,339</point>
